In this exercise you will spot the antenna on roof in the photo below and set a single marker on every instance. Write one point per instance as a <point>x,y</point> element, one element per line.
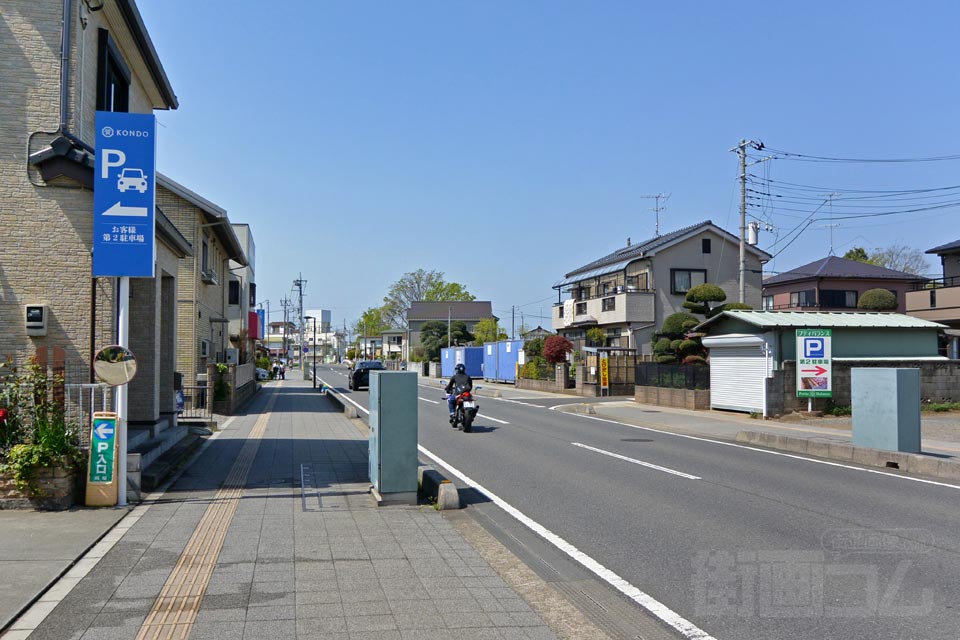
<point>657,208</point>
<point>628,241</point>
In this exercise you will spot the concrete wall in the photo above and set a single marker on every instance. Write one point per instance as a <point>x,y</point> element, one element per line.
<point>693,399</point>
<point>939,382</point>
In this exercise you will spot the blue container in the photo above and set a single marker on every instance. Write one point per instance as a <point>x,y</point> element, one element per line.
<point>507,358</point>
<point>470,357</point>
<point>490,353</point>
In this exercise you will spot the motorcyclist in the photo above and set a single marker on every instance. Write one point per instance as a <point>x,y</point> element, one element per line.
<point>459,383</point>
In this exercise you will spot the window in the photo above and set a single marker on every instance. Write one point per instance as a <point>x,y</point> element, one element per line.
<point>233,295</point>
<point>253,294</point>
<point>560,311</point>
<point>609,304</point>
<point>705,245</point>
<point>835,299</point>
<point>682,280</point>
<point>581,308</point>
<point>113,76</point>
<point>805,298</point>
<point>933,298</point>
<point>638,282</point>
<point>768,302</point>
<point>205,255</point>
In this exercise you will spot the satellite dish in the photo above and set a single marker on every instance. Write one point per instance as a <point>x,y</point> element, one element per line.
<point>115,365</point>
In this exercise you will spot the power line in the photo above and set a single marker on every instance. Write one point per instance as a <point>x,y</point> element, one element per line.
<point>801,157</point>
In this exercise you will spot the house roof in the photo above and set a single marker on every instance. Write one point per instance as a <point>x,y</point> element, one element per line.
<point>835,267</point>
<point>221,225</point>
<point>134,22</point>
<point>823,319</point>
<point>474,310</point>
<point>950,247</point>
<point>619,259</point>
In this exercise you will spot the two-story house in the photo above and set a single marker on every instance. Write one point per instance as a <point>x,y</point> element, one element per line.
<point>62,62</point>
<point>242,296</point>
<point>832,284</point>
<point>939,299</point>
<point>629,292</point>
<point>202,285</point>
<point>421,312</point>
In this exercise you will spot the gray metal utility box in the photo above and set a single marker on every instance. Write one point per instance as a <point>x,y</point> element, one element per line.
<point>393,436</point>
<point>886,408</point>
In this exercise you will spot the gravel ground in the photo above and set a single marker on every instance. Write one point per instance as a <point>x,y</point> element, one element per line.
<point>938,426</point>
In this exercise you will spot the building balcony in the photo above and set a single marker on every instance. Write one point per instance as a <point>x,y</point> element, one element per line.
<point>619,308</point>
<point>936,300</point>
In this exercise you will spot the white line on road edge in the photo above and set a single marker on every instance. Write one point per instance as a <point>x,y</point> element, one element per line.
<point>496,420</point>
<point>661,611</point>
<point>773,453</point>
<point>635,461</point>
<point>430,401</point>
<point>342,395</point>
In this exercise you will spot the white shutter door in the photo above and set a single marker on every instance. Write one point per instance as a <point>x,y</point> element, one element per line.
<point>737,378</point>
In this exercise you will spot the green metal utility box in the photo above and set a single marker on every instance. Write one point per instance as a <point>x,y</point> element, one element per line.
<point>886,408</point>
<point>393,436</point>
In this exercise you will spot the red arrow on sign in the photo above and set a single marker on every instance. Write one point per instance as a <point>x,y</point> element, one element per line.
<point>819,371</point>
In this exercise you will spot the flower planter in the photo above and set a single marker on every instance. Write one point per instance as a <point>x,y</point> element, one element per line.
<point>54,490</point>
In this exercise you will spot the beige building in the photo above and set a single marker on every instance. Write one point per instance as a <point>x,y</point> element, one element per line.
<point>62,62</point>
<point>629,292</point>
<point>202,287</point>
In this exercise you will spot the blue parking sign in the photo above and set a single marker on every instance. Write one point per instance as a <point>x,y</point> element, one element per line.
<point>124,195</point>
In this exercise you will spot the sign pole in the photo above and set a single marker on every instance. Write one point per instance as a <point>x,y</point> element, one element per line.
<point>123,333</point>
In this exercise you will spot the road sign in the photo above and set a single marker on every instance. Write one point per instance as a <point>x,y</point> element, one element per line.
<point>102,449</point>
<point>306,349</point>
<point>604,371</point>
<point>814,363</point>
<point>124,194</point>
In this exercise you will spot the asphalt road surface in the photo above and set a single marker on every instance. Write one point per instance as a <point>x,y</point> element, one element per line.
<point>740,543</point>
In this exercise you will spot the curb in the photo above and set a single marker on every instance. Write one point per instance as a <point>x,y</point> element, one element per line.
<point>348,409</point>
<point>913,463</point>
<point>577,407</point>
<point>438,489</point>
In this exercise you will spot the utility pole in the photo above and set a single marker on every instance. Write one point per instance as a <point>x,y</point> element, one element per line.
<point>448,326</point>
<point>299,283</point>
<point>741,150</point>
<point>513,322</point>
<point>657,208</point>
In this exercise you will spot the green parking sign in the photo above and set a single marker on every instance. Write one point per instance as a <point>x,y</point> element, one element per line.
<point>102,449</point>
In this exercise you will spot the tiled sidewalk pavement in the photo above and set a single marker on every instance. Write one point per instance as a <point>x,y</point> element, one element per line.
<point>318,563</point>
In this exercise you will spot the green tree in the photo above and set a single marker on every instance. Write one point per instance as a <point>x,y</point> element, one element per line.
<point>596,336</point>
<point>877,300</point>
<point>487,330</point>
<point>857,253</point>
<point>419,285</point>
<point>371,323</point>
<point>699,299</point>
<point>533,348</point>
<point>433,337</point>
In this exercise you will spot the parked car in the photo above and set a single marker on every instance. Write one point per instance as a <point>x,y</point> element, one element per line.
<point>262,374</point>
<point>360,374</point>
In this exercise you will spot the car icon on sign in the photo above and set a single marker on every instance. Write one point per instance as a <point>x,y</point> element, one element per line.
<point>132,179</point>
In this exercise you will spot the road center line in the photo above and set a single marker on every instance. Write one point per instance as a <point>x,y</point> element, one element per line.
<point>651,604</point>
<point>635,461</point>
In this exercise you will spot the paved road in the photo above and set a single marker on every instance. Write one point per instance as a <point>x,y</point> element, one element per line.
<point>743,543</point>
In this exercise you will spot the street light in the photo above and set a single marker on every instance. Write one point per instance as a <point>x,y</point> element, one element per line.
<point>314,376</point>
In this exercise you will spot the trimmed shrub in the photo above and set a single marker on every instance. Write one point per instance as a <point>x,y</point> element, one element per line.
<point>665,359</point>
<point>661,346</point>
<point>694,360</point>
<point>877,300</point>
<point>676,324</point>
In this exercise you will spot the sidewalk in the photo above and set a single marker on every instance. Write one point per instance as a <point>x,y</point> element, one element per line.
<point>271,533</point>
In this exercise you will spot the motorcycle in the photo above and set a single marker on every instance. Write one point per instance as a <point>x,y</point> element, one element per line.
<point>465,410</point>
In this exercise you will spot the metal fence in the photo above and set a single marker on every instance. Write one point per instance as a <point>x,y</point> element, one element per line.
<point>672,376</point>
<point>197,403</point>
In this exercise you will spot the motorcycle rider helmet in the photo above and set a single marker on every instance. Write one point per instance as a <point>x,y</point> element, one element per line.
<point>460,368</point>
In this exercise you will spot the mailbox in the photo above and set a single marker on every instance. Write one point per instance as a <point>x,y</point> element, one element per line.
<point>393,436</point>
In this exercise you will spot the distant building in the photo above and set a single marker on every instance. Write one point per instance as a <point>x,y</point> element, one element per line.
<point>470,313</point>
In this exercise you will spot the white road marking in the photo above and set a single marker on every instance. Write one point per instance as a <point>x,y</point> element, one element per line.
<point>526,404</point>
<point>486,417</point>
<point>773,453</point>
<point>430,401</point>
<point>635,461</point>
<point>344,396</point>
<point>661,611</point>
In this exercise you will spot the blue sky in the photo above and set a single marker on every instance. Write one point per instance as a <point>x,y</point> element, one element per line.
<point>506,143</point>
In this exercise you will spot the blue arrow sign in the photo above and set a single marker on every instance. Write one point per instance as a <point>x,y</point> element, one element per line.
<point>124,195</point>
<point>103,430</point>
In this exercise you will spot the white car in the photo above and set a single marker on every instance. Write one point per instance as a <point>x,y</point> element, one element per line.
<point>132,179</point>
<point>262,374</point>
